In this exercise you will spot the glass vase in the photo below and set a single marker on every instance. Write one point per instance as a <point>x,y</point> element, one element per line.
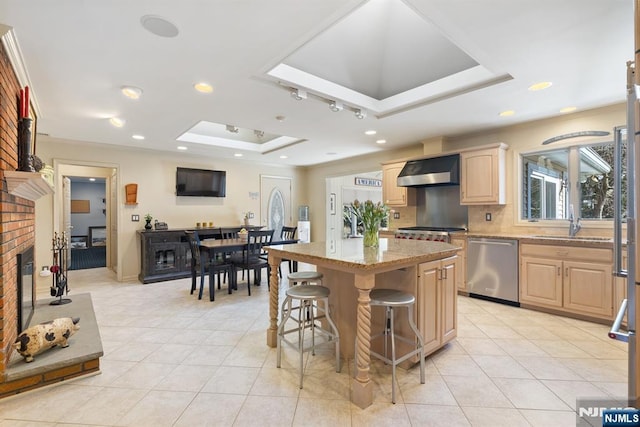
<point>371,237</point>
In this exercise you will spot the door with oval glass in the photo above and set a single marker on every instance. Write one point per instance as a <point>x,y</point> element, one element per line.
<point>275,203</point>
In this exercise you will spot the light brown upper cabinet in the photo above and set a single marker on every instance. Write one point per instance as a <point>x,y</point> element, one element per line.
<point>391,193</point>
<point>483,176</point>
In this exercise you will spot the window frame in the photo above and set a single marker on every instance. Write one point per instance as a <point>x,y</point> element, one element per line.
<point>573,185</point>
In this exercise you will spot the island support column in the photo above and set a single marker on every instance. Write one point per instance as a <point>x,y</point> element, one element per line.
<point>274,282</point>
<point>362,387</point>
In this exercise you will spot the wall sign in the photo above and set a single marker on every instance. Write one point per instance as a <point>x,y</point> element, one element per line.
<point>369,182</point>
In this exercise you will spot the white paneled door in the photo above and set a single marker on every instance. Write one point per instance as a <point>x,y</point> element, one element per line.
<point>275,203</point>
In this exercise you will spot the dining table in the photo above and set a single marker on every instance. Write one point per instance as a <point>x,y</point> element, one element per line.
<point>350,271</point>
<point>209,248</point>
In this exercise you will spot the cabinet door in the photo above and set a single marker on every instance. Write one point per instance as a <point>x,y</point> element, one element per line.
<point>429,314</point>
<point>164,258</point>
<point>391,193</point>
<point>541,281</point>
<point>588,288</point>
<point>461,264</point>
<point>449,295</point>
<point>481,177</point>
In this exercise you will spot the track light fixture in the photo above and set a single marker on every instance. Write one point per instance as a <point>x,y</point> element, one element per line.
<point>259,133</point>
<point>336,106</point>
<point>360,113</point>
<point>298,94</point>
<point>232,129</point>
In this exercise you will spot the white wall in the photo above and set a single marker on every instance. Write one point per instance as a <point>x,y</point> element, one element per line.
<point>154,172</point>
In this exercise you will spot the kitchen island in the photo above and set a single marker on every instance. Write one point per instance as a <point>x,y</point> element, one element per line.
<point>424,268</point>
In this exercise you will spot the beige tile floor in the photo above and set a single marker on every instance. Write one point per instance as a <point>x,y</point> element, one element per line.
<point>171,360</point>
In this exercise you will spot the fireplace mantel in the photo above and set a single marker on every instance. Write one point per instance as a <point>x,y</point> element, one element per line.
<point>28,185</point>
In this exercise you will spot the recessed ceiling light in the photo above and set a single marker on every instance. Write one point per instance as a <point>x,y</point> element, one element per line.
<point>159,26</point>
<point>203,87</point>
<point>370,132</point>
<point>381,141</point>
<point>131,92</point>
<point>568,109</point>
<point>281,118</point>
<point>92,179</point>
<point>507,113</point>
<point>540,86</point>
<point>181,147</point>
<point>284,157</point>
<point>138,137</point>
<point>238,154</point>
<point>117,122</point>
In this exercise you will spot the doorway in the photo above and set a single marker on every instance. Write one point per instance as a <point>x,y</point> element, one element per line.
<point>103,234</point>
<point>341,192</point>
<point>87,222</point>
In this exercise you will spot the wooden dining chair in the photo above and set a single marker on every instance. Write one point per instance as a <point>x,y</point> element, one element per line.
<point>201,264</point>
<point>251,258</point>
<point>287,233</point>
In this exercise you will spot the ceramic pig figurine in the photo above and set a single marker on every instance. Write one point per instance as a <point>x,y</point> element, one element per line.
<point>44,336</point>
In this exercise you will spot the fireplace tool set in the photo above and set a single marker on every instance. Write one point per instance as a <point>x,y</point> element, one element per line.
<point>59,268</point>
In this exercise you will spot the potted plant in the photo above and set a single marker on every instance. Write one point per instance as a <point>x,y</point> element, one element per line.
<point>370,215</point>
<point>148,219</point>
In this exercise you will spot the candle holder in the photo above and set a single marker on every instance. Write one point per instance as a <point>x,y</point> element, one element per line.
<point>25,160</point>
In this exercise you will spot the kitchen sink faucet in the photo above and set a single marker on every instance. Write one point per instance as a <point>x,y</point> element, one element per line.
<point>574,227</point>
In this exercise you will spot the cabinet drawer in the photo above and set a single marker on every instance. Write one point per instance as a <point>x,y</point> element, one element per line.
<point>604,256</point>
<point>165,238</point>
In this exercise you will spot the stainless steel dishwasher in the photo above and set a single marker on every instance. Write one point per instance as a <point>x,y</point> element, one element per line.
<point>492,269</point>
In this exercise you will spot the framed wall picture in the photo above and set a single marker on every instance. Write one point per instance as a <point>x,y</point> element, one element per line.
<point>78,242</point>
<point>332,203</point>
<point>80,206</point>
<point>98,236</point>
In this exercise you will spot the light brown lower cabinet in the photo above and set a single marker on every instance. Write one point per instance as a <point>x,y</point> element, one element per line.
<point>461,270</point>
<point>572,279</point>
<point>437,301</point>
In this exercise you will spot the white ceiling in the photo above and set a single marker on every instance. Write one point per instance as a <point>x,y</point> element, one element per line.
<point>420,68</point>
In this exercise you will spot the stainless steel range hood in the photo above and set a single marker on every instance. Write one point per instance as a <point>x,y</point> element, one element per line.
<point>431,172</point>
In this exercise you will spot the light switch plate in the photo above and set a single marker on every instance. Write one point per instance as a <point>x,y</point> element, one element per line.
<point>135,218</point>
<point>487,216</point>
<point>396,215</point>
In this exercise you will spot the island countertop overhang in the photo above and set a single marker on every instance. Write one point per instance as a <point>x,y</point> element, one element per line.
<point>351,255</point>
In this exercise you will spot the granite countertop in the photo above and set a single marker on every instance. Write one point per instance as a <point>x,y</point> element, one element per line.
<point>542,238</point>
<point>550,239</point>
<point>352,254</point>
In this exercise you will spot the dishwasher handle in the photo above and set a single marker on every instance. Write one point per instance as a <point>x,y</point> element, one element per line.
<point>490,242</point>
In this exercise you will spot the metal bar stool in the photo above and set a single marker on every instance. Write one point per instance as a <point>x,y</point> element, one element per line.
<point>390,299</point>
<point>304,278</point>
<point>308,297</point>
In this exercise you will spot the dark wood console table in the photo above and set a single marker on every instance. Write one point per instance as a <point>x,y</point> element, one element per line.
<point>165,254</point>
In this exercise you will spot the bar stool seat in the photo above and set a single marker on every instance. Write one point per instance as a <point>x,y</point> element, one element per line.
<point>307,297</point>
<point>391,299</point>
<point>304,277</point>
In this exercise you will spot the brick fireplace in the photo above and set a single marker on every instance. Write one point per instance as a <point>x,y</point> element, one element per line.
<point>17,228</point>
<point>17,215</point>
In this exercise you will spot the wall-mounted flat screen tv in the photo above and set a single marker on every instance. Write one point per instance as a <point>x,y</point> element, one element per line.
<point>201,182</point>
